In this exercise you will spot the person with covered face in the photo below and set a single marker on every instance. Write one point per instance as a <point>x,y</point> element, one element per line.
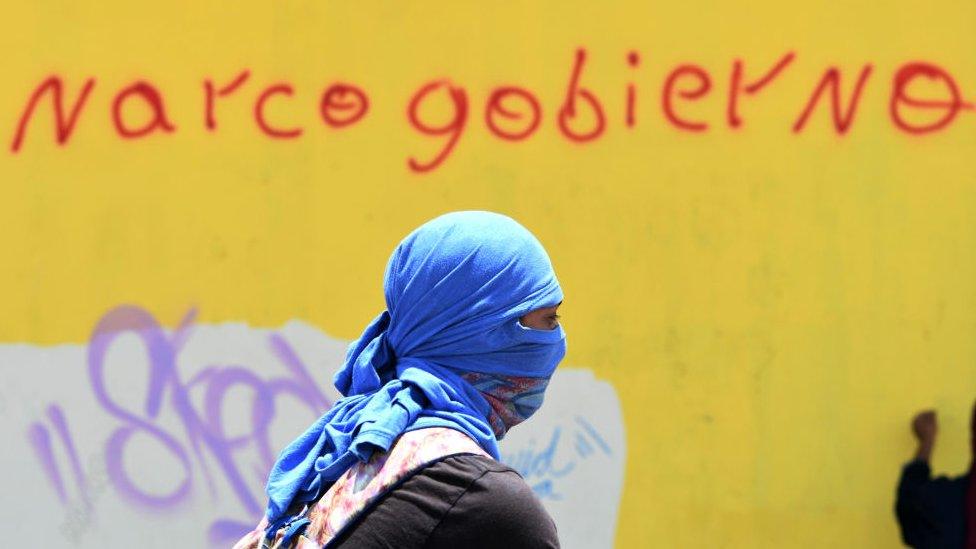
<point>409,456</point>
<point>936,512</point>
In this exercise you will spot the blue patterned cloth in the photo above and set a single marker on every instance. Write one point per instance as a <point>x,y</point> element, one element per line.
<point>455,290</point>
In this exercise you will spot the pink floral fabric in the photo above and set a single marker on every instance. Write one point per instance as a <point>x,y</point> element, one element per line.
<point>363,483</point>
<point>512,398</point>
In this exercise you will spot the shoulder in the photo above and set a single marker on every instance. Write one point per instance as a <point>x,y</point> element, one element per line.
<point>465,501</point>
<point>497,508</point>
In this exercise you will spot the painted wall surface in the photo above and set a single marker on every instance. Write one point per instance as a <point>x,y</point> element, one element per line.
<point>762,215</point>
<point>147,429</point>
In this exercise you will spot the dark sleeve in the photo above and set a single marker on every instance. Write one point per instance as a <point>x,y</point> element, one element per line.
<point>497,510</point>
<point>910,507</point>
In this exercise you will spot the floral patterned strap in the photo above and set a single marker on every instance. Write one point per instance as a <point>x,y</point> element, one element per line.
<point>363,483</point>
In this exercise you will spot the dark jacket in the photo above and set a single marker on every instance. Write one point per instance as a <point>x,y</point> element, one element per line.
<point>931,511</point>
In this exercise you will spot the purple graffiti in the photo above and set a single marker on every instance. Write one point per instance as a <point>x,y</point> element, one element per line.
<point>201,441</point>
<point>40,439</point>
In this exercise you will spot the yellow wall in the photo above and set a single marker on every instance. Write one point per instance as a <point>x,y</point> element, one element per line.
<point>770,306</point>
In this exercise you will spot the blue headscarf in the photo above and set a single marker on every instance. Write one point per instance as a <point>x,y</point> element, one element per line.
<point>455,290</point>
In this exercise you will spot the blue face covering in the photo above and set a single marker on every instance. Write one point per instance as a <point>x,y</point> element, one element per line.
<point>455,290</point>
